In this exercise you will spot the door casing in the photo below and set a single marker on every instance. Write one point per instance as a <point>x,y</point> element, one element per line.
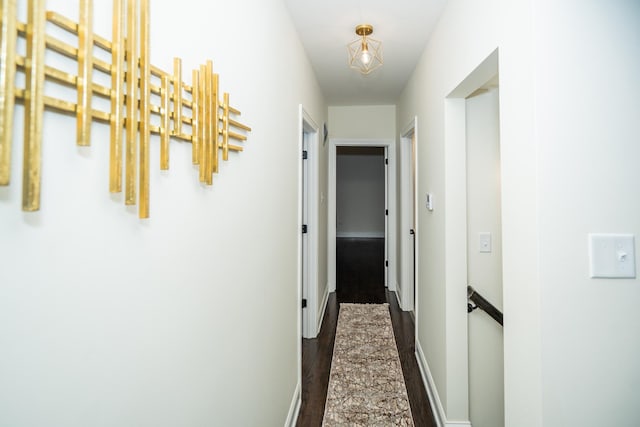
<point>390,232</point>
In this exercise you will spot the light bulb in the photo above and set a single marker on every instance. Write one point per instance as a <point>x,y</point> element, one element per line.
<point>365,57</point>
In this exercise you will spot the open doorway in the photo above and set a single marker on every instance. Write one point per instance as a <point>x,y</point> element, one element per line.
<point>361,213</point>
<point>484,254</point>
<point>389,212</point>
<point>474,249</point>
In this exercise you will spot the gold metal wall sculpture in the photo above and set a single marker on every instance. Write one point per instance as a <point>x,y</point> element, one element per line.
<point>134,84</point>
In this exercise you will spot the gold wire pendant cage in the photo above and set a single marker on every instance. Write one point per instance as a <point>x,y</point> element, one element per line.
<point>365,53</point>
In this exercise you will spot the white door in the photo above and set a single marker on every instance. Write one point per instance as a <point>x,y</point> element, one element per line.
<point>309,291</point>
<point>304,156</point>
<point>408,220</point>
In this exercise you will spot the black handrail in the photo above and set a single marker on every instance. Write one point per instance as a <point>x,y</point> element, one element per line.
<point>481,303</point>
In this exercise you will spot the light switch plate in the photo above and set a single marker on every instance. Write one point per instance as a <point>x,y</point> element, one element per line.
<point>484,240</point>
<point>612,256</point>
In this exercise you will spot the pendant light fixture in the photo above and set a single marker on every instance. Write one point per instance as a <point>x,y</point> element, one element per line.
<point>365,53</point>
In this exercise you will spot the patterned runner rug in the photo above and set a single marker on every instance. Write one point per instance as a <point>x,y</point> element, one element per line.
<point>366,387</point>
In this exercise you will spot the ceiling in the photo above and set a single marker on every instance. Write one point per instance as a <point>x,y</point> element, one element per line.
<point>326,26</point>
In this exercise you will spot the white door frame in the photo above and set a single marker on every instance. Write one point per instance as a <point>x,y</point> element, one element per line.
<point>408,207</point>
<point>390,237</point>
<point>455,158</point>
<point>308,134</point>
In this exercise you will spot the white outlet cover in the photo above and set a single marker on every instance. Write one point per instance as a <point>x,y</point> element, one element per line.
<point>612,256</point>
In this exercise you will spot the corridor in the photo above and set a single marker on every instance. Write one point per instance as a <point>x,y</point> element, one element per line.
<point>142,292</point>
<point>359,280</point>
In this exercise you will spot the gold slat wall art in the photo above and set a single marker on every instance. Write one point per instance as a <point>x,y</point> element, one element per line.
<point>8,38</point>
<point>117,99</point>
<point>133,81</point>
<point>34,105</point>
<point>131,55</point>
<point>177,96</point>
<point>85,72</point>
<point>195,121</point>
<point>165,120</point>
<point>145,106</point>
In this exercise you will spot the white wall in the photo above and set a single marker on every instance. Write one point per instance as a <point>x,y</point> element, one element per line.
<point>467,33</point>
<point>565,335</point>
<point>188,318</point>
<point>587,134</point>
<point>362,121</point>
<point>360,192</point>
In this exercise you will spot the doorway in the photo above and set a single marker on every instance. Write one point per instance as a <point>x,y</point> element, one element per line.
<point>390,211</point>
<point>484,254</point>
<point>361,212</point>
<point>466,361</point>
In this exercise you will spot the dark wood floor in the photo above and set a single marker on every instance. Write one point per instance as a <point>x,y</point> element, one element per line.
<point>360,279</point>
<point>360,271</point>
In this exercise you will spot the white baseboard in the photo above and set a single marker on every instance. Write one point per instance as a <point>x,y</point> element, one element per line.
<point>397,292</point>
<point>361,234</point>
<point>392,286</point>
<point>429,384</point>
<point>323,308</point>
<point>296,402</point>
<point>434,398</point>
<point>294,409</point>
